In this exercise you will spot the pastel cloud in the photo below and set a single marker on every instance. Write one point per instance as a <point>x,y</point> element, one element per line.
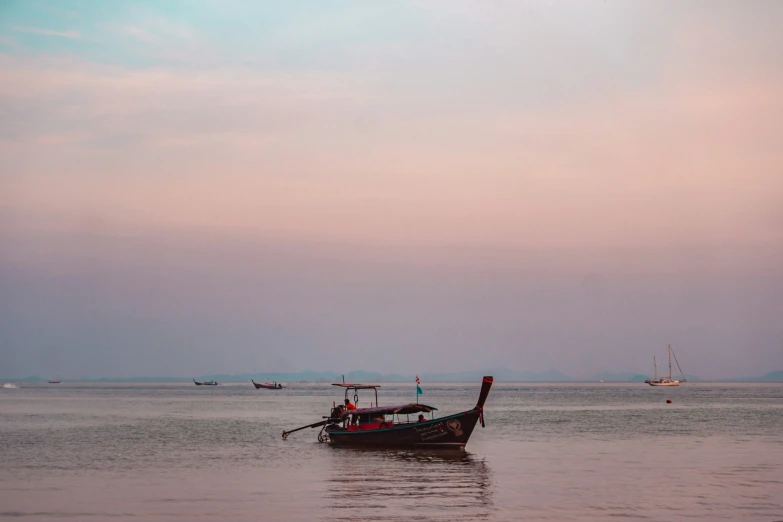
<point>48,32</point>
<point>675,149</point>
<point>141,34</point>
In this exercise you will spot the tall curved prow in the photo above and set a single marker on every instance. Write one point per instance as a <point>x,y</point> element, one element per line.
<point>486,384</point>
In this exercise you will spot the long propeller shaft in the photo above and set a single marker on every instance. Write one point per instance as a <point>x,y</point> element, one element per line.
<point>314,425</point>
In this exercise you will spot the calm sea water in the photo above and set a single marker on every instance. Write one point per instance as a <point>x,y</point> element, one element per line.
<point>549,452</point>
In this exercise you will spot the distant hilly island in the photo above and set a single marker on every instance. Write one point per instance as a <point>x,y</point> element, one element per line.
<point>501,374</point>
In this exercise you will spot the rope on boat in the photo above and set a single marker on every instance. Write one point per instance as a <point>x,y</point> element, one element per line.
<point>678,364</point>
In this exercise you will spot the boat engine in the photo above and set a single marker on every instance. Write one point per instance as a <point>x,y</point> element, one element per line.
<point>337,414</point>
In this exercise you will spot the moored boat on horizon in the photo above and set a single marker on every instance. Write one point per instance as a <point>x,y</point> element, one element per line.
<point>206,383</point>
<point>267,385</point>
<point>666,381</point>
<point>383,426</point>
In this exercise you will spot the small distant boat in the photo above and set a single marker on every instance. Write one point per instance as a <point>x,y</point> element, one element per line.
<point>206,383</point>
<point>666,381</point>
<point>10,386</point>
<point>55,381</point>
<point>267,385</point>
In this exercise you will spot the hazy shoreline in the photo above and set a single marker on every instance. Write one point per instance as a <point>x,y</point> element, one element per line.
<point>773,377</point>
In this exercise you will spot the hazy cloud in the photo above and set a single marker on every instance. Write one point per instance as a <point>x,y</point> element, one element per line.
<point>141,34</point>
<point>48,32</point>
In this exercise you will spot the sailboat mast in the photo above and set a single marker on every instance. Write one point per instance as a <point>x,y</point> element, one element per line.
<point>656,369</point>
<point>670,362</point>
<point>682,375</point>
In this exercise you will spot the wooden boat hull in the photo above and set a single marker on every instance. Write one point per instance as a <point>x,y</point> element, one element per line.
<point>673,383</point>
<point>450,432</point>
<point>453,432</point>
<point>259,385</point>
<point>208,383</point>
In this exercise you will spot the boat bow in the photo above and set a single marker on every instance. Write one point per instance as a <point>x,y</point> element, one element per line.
<point>486,384</point>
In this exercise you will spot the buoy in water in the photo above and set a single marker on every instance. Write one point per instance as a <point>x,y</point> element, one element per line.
<point>668,401</point>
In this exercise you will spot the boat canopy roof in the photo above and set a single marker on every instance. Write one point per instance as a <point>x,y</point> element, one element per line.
<point>356,386</point>
<point>402,409</point>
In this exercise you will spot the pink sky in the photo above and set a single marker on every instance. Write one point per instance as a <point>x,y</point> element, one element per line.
<point>628,143</point>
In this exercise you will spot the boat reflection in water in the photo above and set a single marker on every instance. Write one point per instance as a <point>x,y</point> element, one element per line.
<point>423,485</point>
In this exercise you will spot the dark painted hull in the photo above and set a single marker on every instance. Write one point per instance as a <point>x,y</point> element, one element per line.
<point>447,432</point>
<point>266,386</point>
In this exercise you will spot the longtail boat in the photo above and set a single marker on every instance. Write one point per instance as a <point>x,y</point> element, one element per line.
<point>267,385</point>
<point>390,426</point>
<point>206,383</point>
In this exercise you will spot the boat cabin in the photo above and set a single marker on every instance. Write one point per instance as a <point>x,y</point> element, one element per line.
<point>376,417</point>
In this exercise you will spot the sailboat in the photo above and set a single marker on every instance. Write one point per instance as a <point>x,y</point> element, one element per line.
<point>666,381</point>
